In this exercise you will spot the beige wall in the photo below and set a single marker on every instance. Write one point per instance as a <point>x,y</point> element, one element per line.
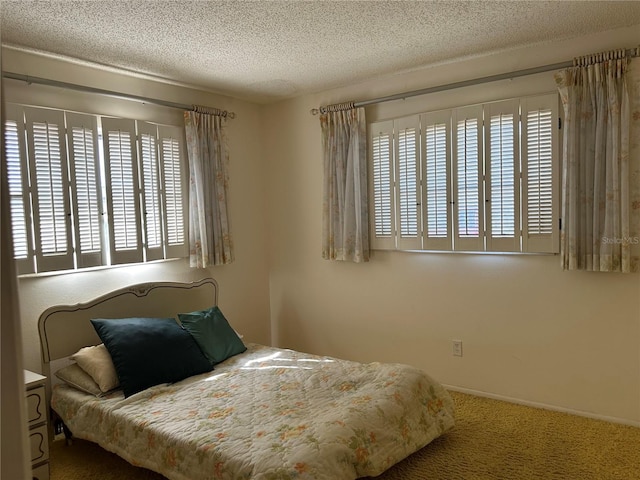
<point>244,296</point>
<point>530,332</point>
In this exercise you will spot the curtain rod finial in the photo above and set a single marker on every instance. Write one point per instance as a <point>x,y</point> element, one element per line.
<point>315,111</point>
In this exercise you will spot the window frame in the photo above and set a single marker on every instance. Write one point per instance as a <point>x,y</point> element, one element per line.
<point>82,140</point>
<point>508,143</point>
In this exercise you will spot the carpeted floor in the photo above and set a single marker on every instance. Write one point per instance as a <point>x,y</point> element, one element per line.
<point>492,440</point>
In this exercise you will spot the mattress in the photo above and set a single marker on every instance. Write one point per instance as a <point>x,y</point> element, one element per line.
<point>268,414</point>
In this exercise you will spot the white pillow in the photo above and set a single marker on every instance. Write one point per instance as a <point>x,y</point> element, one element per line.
<point>76,377</point>
<point>97,362</point>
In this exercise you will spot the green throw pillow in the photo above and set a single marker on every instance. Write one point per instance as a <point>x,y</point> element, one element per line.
<point>213,334</point>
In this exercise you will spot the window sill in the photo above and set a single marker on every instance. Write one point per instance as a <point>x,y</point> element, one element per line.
<point>463,252</point>
<point>94,269</point>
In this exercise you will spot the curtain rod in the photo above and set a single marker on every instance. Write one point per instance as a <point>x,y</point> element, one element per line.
<point>98,91</point>
<point>633,52</point>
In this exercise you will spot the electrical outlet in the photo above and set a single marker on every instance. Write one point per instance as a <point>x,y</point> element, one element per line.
<point>457,348</point>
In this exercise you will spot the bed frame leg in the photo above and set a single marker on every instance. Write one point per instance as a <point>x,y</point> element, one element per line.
<point>68,436</point>
<point>60,427</point>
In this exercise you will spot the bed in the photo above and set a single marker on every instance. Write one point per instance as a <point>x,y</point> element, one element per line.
<point>262,413</point>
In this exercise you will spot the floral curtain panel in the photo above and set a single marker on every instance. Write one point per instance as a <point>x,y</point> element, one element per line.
<point>596,180</point>
<point>633,78</point>
<point>209,236</point>
<point>345,212</point>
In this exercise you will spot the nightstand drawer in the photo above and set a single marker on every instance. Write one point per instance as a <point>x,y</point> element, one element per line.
<point>36,411</point>
<point>39,442</point>
<point>38,430</point>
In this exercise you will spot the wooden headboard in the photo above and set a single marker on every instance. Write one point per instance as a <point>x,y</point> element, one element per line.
<point>64,329</point>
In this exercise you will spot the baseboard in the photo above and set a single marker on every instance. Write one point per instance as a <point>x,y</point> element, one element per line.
<point>545,406</point>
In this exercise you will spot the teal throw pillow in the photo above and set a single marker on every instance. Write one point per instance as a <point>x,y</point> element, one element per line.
<point>213,334</point>
<point>150,351</point>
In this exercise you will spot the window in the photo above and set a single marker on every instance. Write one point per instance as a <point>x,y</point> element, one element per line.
<point>87,190</point>
<point>474,178</point>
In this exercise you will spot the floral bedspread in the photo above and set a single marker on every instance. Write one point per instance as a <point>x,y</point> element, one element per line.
<point>268,414</point>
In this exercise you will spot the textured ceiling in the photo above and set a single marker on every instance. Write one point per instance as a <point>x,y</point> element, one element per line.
<point>265,51</point>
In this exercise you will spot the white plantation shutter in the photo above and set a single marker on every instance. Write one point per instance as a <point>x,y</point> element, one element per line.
<point>172,165</point>
<point>123,197</point>
<point>502,186</point>
<point>50,192</point>
<point>407,183</point>
<point>483,178</point>
<point>467,177</point>
<point>436,142</point>
<point>383,212</point>
<point>18,183</point>
<point>151,200</point>
<point>59,180</point>
<point>83,159</point>
<point>540,174</point>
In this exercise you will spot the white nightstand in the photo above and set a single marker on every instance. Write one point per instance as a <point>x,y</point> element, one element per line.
<point>37,417</point>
